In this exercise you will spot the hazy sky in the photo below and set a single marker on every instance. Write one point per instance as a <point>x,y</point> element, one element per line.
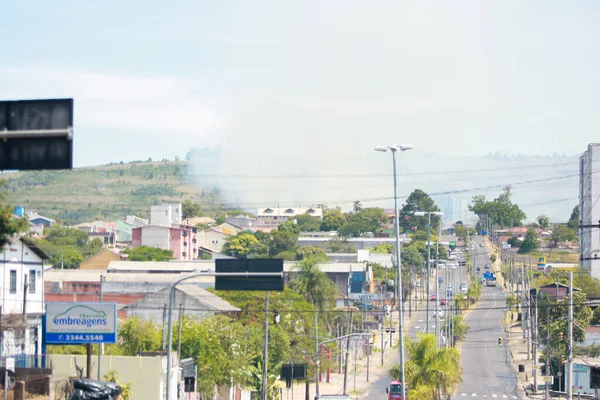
<point>313,84</point>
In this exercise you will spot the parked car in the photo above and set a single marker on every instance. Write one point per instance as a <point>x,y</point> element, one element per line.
<point>443,302</point>
<point>433,297</point>
<point>439,312</point>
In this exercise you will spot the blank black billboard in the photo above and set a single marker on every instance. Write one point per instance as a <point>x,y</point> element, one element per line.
<point>250,283</point>
<point>35,134</point>
<point>293,371</point>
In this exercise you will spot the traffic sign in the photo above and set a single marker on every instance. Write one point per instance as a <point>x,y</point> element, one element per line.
<point>36,134</point>
<point>81,323</point>
<point>10,364</point>
<point>250,282</point>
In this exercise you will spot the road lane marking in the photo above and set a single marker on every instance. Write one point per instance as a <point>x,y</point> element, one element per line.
<point>420,320</point>
<point>504,396</point>
<point>473,394</point>
<point>494,396</point>
<point>463,394</point>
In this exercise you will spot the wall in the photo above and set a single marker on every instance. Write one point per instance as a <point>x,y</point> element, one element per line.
<point>155,236</point>
<point>146,374</point>
<point>212,240</point>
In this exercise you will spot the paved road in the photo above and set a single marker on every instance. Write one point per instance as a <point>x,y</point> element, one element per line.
<point>487,372</point>
<point>418,324</point>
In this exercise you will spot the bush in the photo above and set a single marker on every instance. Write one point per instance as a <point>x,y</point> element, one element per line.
<point>493,258</point>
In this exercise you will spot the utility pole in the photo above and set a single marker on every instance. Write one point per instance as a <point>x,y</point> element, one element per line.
<point>317,373</point>
<point>428,273</point>
<point>535,344</point>
<point>100,345</point>
<point>347,352</point>
<point>547,386</point>
<point>263,394</point>
<point>437,288</point>
<point>569,377</point>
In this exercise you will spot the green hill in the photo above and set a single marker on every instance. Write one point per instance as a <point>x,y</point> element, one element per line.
<point>105,192</point>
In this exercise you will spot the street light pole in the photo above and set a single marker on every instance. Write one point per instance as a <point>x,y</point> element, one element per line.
<point>428,268</point>
<point>393,149</point>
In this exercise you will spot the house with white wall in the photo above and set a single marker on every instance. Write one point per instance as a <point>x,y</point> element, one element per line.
<point>166,214</point>
<point>22,297</point>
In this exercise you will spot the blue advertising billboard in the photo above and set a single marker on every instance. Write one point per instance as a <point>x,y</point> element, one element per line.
<point>81,323</point>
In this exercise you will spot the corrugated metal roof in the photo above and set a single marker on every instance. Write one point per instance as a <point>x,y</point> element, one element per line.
<point>207,298</point>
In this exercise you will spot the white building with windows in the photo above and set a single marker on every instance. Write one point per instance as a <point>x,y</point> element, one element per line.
<point>589,210</point>
<point>22,297</point>
<point>280,215</point>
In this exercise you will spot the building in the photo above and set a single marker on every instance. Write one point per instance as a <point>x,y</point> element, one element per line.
<point>105,231</point>
<point>212,240</point>
<point>555,291</point>
<point>182,240</point>
<point>136,221</point>
<point>280,215</point>
<point>358,243</point>
<point>195,221</point>
<point>589,210</point>
<point>166,214</point>
<point>101,260</point>
<point>586,375</point>
<point>123,230</point>
<point>39,219</point>
<point>22,293</point>
<point>191,300</point>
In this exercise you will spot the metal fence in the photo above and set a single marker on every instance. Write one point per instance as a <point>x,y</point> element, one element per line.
<point>28,361</point>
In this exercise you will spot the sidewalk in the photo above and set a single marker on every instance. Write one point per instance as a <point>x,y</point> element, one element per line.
<point>355,386</point>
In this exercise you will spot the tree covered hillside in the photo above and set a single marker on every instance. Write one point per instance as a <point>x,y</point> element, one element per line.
<point>104,192</point>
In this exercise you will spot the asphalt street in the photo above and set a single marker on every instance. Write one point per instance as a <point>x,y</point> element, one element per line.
<point>453,275</point>
<point>487,372</point>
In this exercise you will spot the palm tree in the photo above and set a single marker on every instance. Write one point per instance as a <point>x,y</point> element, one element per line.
<point>357,206</point>
<point>313,284</point>
<point>429,371</point>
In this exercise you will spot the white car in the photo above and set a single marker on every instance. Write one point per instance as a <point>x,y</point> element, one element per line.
<point>439,312</point>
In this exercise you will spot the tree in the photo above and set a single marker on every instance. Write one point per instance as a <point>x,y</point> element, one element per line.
<point>242,245</point>
<point>126,391</point>
<point>190,209</point>
<point>411,256</point>
<point>313,284</point>
<point>543,221</point>
<point>384,248</point>
<point>312,252</point>
<point>68,247</point>
<point>365,220</point>
<point>582,314</point>
<point>333,221</point>
<point>147,253</point>
<point>9,226</point>
<point>418,200</point>
<point>561,233</point>
<point>501,210</point>
<point>595,320</point>
<point>137,335</point>
<point>308,223</point>
<point>283,241</point>
<point>337,245</point>
<point>530,243</point>
<point>574,219</point>
<point>357,206</point>
<point>290,226</point>
<point>430,371</point>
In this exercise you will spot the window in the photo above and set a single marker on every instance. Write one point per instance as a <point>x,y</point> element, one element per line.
<point>13,281</point>
<point>32,281</point>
